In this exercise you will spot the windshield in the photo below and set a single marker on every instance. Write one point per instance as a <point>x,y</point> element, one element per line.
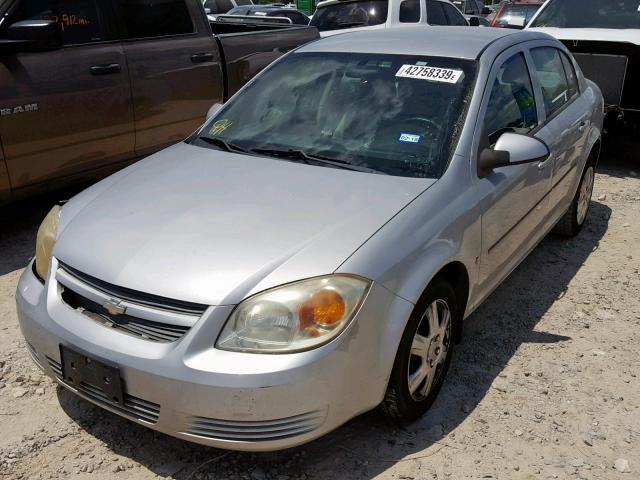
<point>510,13</point>
<point>392,114</point>
<point>350,15</point>
<point>590,14</point>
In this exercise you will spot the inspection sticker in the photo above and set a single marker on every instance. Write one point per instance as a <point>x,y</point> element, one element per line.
<point>409,138</point>
<point>434,74</point>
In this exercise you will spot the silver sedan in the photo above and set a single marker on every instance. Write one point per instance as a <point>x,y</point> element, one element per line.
<point>311,252</point>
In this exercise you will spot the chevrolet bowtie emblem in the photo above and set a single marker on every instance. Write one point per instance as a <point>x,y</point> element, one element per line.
<point>113,307</point>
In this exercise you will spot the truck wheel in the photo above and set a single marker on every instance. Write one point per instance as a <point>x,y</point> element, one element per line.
<point>424,354</point>
<point>574,218</point>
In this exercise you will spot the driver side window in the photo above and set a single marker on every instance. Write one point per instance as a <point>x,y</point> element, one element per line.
<point>512,104</point>
<point>79,20</point>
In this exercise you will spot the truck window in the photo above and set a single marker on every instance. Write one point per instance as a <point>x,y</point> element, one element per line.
<point>350,14</point>
<point>244,2</point>
<point>155,18</point>
<point>410,11</point>
<point>454,17</point>
<point>435,14</point>
<point>80,20</point>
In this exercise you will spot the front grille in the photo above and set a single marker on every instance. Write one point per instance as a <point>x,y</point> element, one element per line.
<point>134,407</point>
<point>140,298</point>
<point>254,431</point>
<point>138,327</point>
<point>148,317</point>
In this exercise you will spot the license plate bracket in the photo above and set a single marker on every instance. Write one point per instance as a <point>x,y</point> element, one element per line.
<point>78,368</point>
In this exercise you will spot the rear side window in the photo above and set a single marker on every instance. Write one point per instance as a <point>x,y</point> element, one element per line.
<point>512,105</point>
<point>80,20</point>
<point>553,80</point>
<point>435,14</point>
<point>155,18</point>
<point>572,77</point>
<point>410,11</point>
<point>297,18</point>
<point>515,14</point>
<point>350,15</point>
<point>454,17</point>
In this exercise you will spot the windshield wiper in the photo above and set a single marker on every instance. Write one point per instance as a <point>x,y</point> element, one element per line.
<point>293,154</point>
<point>229,147</point>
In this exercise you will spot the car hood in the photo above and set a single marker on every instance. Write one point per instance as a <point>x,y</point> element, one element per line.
<point>211,227</point>
<point>593,34</point>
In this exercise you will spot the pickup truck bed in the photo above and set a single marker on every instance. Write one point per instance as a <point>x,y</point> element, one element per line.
<point>247,48</point>
<point>87,89</point>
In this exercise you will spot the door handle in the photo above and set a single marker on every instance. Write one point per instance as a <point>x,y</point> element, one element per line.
<point>202,57</point>
<point>583,125</point>
<point>105,69</point>
<point>545,163</point>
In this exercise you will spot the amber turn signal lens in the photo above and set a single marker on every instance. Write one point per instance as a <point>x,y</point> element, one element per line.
<point>325,308</point>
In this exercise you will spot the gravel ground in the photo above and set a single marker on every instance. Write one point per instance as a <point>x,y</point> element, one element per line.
<point>544,384</point>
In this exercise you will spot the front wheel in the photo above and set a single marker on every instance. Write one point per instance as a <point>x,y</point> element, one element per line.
<point>424,354</point>
<point>574,218</point>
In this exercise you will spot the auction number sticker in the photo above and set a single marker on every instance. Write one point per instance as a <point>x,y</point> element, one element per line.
<point>434,74</point>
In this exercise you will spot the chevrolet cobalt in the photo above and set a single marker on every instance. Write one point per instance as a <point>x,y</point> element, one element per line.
<point>311,251</point>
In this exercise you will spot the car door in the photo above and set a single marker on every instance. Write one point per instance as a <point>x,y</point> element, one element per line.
<point>566,119</point>
<point>515,200</point>
<point>68,110</point>
<point>175,69</point>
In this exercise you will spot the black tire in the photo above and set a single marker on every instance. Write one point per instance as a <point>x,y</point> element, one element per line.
<point>399,403</point>
<point>571,224</point>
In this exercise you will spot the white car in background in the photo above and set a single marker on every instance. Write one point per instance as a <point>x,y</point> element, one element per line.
<point>340,16</point>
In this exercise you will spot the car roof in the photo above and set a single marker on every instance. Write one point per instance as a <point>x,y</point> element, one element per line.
<point>452,42</point>
<point>324,3</point>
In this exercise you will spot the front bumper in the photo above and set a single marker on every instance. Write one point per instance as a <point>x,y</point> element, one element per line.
<point>240,401</point>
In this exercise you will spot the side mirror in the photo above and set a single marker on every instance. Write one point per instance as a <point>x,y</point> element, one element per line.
<point>474,22</point>
<point>512,149</point>
<point>32,35</point>
<point>213,110</point>
<point>486,11</point>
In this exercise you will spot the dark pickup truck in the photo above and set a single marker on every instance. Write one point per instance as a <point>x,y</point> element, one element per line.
<point>88,86</point>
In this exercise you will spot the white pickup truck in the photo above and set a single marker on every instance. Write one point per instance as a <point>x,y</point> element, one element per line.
<point>339,16</point>
<point>604,37</point>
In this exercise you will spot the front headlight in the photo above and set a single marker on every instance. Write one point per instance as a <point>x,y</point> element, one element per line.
<point>45,241</point>
<point>294,317</point>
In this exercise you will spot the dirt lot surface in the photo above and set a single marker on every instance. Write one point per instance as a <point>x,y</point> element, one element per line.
<point>544,384</point>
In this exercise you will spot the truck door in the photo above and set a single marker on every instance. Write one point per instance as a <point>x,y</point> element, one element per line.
<point>175,68</point>
<point>69,110</point>
<point>5,186</point>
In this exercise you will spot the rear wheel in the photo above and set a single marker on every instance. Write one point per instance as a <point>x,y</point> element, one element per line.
<point>424,354</point>
<point>574,218</point>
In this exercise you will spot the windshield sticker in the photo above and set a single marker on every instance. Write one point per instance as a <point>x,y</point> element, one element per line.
<point>220,126</point>
<point>408,138</point>
<point>433,74</point>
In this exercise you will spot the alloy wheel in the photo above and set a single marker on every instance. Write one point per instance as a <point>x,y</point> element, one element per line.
<point>429,349</point>
<point>584,197</point>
